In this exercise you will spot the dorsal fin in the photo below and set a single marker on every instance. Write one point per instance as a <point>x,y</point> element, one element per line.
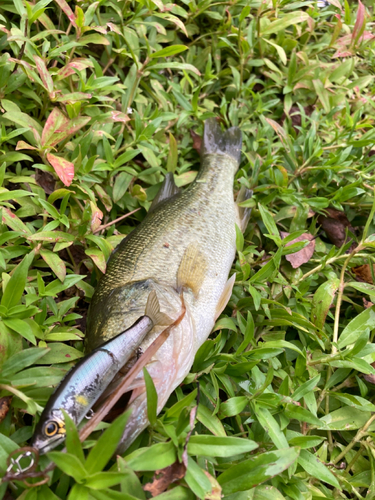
<point>167,190</point>
<point>215,141</point>
<point>153,311</point>
<point>192,270</point>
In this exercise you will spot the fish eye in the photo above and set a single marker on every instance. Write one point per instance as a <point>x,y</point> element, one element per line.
<point>51,428</point>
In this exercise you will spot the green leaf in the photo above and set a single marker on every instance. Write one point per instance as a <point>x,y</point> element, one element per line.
<point>322,301</point>
<point>69,464</point>
<point>72,441</point>
<point>284,22</point>
<point>197,480</point>
<point>344,419</point>
<point>157,456</point>
<point>299,413</point>
<point>211,422</point>
<point>355,328</point>
<point>272,428</point>
<point>172,154</point>
<point>102,480</point>
<point>106,445</point>
<point>22,360</point>
<point>257,470</point>
<point>16,285</point>
<point>169,51</point>
<point>214,446</point>
<point>152,398</point>
<point>315,468</point>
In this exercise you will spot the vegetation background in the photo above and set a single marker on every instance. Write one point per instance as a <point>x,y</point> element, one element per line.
<point>99,99</point>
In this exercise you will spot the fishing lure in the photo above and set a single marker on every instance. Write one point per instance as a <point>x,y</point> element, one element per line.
<point>86,382</point>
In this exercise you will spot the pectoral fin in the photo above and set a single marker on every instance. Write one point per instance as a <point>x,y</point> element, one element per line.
<point>243,212</point>
<point>225,296</point>
<point>153,311</point>
<point>167,190</point>
<point>192,270</point>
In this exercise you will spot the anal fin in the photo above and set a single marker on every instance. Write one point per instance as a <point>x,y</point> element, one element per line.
<point>225,296</point>
<point>243,212</point>
<point>192,270</point>
<point>167,190</point>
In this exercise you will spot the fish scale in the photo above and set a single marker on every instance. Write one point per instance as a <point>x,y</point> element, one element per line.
<point>204,215</point>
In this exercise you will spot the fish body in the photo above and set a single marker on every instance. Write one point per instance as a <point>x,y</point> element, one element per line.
<point>86,382</point>
<point>203,218</point>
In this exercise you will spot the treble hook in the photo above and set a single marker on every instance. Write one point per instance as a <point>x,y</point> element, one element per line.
<point>15,471</point>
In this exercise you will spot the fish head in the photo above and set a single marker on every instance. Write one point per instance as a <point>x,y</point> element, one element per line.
<point>49,432</point>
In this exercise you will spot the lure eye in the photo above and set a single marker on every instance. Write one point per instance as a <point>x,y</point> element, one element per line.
<point>51,428</point>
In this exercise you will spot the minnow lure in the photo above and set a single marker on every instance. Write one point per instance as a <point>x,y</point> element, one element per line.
<point>86,382</point>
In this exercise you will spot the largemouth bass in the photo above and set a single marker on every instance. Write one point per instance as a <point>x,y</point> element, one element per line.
<point>181,227</point>
<point>85,383</point>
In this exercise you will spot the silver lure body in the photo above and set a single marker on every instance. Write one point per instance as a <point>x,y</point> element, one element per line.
<point>85,383</point>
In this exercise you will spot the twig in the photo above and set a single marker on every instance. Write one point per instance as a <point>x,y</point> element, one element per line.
<point>100,228</point>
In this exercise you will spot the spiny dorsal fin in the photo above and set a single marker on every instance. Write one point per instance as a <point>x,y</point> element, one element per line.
<point>225,296</point>
<point>215,141</point>
<point>192,270</point>
<point>167,190</point>
<point>243,212</point>
<point>153,311</point>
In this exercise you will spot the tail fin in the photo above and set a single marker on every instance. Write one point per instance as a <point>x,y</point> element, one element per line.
<point>153,311</point>
<point>217,142</point>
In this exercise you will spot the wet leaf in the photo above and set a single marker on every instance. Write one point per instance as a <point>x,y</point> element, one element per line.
<point>336,224</point>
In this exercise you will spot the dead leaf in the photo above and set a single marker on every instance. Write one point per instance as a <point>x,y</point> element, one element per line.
<point>4,406</point>
<point>302,256</point>
<point>164,477</point>
<point>45,180</point>
<point>366,303</point>
<point>197,141</point>
<point>295,115</point>
<point>335,224</point>
<point>370,378</point>
<point>363,273</point>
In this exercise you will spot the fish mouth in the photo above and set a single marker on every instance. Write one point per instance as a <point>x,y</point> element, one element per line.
<point>43,446</point>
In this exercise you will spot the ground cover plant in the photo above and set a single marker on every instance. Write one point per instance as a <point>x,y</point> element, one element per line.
<point>99,100</point>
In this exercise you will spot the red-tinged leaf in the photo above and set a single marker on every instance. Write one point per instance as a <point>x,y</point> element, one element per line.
<point>96,217</point>
<point>55,263</point>
<point>76,64</point>
<point>58,127</point>
<point>117,116</point>
<point>63,168</point>
<point>67,10</point>
<point>175,20</point>
<point>56,122</point>
<point>99,29</point>
<point>44,74</point>
<point>74,97</point>
<point>24,145</point>
<point>12,221</point>
<point>52,236</point>
<point>360,23</point>
<point>277,128</point>
<point>114,28</point>
<point>95,38</point>
<point>98,258</point>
